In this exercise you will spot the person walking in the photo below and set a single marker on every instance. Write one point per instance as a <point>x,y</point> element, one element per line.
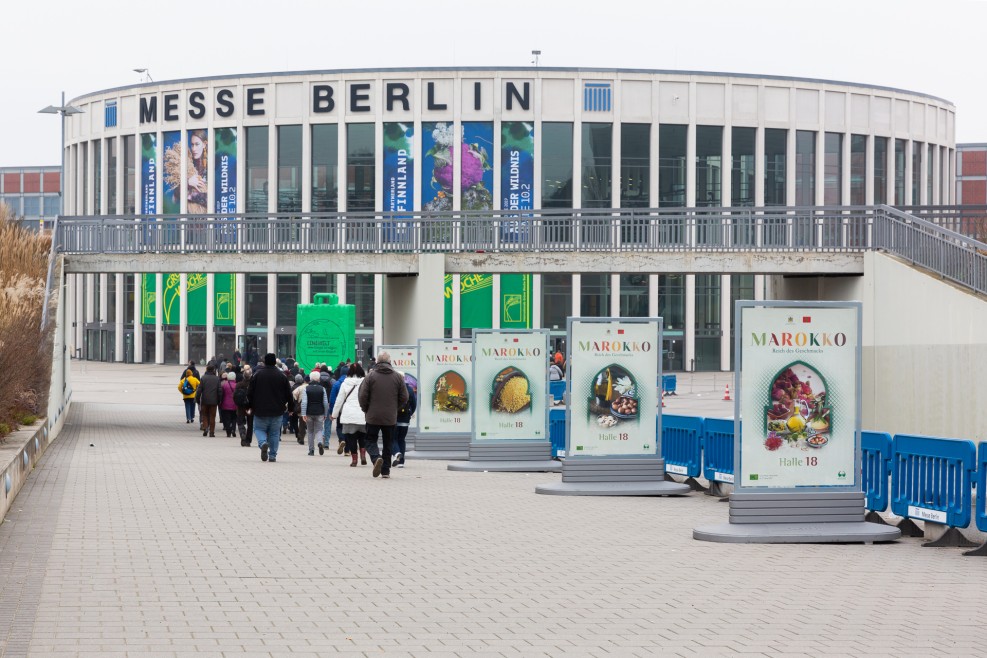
<point>297,382</point>
<point>268,394</point>
<point>191,366</point>
<point>244,417</point>
<point>382,393</point>
<point>187,386</point>
<point>405,413</point>
<point>347,413</point>
<point>208,396</point>
<point>227,406</point>
<point>341,373</point>
<point>315,405</point>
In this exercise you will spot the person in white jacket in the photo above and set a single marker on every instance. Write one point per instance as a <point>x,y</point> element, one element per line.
<point>347,410</point>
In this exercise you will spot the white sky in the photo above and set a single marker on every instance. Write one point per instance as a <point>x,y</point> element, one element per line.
<point>929,46</point>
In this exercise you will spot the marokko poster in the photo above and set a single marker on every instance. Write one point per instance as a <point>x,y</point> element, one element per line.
<point>510,382</point>
<point>445,386</point>
<point>798,396</point>
<point>404,359</point>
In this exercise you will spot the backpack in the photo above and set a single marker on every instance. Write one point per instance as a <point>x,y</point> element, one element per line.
<point>240,396</point>
<point>187,387</point>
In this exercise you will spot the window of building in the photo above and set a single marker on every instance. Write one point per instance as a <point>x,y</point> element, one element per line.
<point>128,298</point>
<point>556,304</point>
<point>929,174</point>
<point>633,295</point>
<point>743,170</point>
<point>597,165</point>
<point>14,203</point>
<point>916,173</point>
<point>635,165</point>
<point>708,322</point>
<point>111,298</point>
<point>325,168</point>
<point>833,169</point>
<point>84,192</point>
<point>52,205</point>
<point>671,165</point>
<point>595,295</point>
<point>360,167</point>
<point>880,170</point>
<point>360,293</point>
<point>556,165</point>
<point>98,171</point>
<point>32,207</point>
<point>257,174</point>
<point>289,295</point>
<point>899,171</point>
<point>709,166</point>
<point>775,167</point>
<point>805,168</point>
<point>111,175</point>
<point>289,169</point>
<point>130,175</point>
<point>322,283</point>
<point>256,299</point>
<point>858,170</point>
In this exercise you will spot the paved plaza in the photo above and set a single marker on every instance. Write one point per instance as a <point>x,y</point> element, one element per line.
<point>137,536</point>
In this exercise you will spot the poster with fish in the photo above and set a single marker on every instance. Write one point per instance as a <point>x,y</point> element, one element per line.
<point>445,386</point>
<point>798,394</point>
<point>510,385</point>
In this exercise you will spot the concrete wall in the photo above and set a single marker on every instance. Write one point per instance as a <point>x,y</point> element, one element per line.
<point>925,347</point>
<point>413,307</point>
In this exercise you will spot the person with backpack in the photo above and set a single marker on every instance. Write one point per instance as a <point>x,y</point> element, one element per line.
<point>315,406</point>
<point>187,386</point>
<point>227,405</point>
<point>244,418</point>
<point>401,428</point>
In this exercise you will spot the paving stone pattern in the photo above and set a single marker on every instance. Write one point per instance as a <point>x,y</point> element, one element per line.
<point>156,541</point>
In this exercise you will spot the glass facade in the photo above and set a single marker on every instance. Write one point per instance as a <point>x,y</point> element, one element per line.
<point>97,178</point>
<point>556,300</point>
<point>325,168</point>
<point>256,310</point>
<point>635,165</point>
<point>597,165</point>
<point>633,295</point>
<point>709,166</point>
<point>128,299</point>
<point>257,175</point>
<point>743,169</point>
<point>899,171</point>
<point>833,169</point>
<point>360,167</point>
<point>708,322</point>
<point>289,295</point>
<point>130,174</point>
<point>805,168</point>
<point>360,293</point>
<point>111,175</point>
<point>775,166</point>
<point>322,283</point>
<point>671,307</point>
<point>556,165</point>
<point>595,296</point>
<point>916,173</point>
<point>858,170</point>
<point>880,170</point>
<point>289,169</point>
<point>929,174</point>
<point>671,165</point>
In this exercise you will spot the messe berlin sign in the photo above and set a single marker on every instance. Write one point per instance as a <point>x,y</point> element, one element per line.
<point>799,394</point>
<point>612,375</point>
<point>510,377</point>
<point>445,386</point>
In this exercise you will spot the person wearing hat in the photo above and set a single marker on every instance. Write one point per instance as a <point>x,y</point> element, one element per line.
<point>227,405</point>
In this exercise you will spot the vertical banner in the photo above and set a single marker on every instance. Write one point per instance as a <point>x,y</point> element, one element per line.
<point>198,172</point>
<point>515,301</point>
<point>517,174</point>
<point>798,395</point>
<point>172,298</point>
<point>399,176</point>
<point>225,180</point>
<point>224,291</point>
<point>437,155</point>
<point>476,181</point>
<point>149,298</point>
<point>445,375</point>
<point>149,174</point>
<point>196,299</point>
<point>404,358</point>
<point>510,381</point>
<point>171,188</point>
<point>613,376</point>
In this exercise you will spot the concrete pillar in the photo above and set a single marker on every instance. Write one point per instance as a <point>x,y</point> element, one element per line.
<point>690,322</point>
<point>138,327</point>
<point>726,160</point>
<point>121,313</point>
<point>759,287</point>
<point>159,318</point>
<point>104,300</point>
<point>241,305</point>
<point>272,312</point>
<point>820,163</point>
<point>341,287</point>
<point>457,305</point>
<point>690,160</point>
<point>410,304</point>
<point>725,311</point>
<point>210,313</point>
<point>495,315</point>
<point>379,313</point>
<point>306,283</point>
<point>536,319</point>
<point>183,318</point>
<point>653,287</point>
<point>90,297</point>
<point>615,295</point>
<point>577,294</point>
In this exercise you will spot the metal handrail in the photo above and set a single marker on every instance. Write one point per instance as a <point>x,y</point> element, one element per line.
<point>928,244</point>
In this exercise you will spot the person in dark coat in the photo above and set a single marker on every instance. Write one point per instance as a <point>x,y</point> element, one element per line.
<point>244,418</point>
<point>401,428</point>
<point>269,394</point>
<point>208,395</point>
<point>382,393</point>
<point>191,366</point>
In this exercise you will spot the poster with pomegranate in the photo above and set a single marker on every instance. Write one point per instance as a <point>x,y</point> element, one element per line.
<point>799,396</point>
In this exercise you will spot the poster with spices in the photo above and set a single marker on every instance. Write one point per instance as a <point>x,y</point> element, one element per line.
<point>445,386</point>
<point>798,395</point>
<point>612,375</point>
<point>510,378</point>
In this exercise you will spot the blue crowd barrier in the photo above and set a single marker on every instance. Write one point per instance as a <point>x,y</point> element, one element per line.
<point>668,384</point>
<point>556,431</point>
<point>682,444</point>
<point>932,479</point>
<point>876,467</point>
<point>557,389</point>
<point>718,442</point>
<point>982,487</point>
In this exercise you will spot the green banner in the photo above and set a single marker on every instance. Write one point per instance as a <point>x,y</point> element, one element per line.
<point>224,292</point>
<point>197,296</point>
<point>197,299</point>
<point>515,301</point>
<point>149,297</point>
<point>476,301</point>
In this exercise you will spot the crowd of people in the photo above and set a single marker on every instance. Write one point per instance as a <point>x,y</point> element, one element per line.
<point>371,411</point>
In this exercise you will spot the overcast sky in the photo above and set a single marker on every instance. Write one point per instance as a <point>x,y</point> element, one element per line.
<point>930,46</point>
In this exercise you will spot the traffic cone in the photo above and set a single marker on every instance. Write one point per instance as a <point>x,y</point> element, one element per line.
<point>726,394</point>
<point>663,399</point>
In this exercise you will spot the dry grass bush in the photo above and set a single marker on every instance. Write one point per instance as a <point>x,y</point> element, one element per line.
<point>25,351</point>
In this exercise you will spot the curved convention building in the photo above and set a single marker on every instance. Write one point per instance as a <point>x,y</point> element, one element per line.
<point>474,138</point>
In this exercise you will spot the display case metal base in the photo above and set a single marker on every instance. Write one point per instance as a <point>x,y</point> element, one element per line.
<point>510,456</point>
<point>448,447</point>
<point>614,476</point>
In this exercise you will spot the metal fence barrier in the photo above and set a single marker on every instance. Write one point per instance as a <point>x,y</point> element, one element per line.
<point>718,444</point>
<point>556,431</point>
<point>682,444</point>
<point>557,389</point>
<point>876,467</point>
<point>932,479</point>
